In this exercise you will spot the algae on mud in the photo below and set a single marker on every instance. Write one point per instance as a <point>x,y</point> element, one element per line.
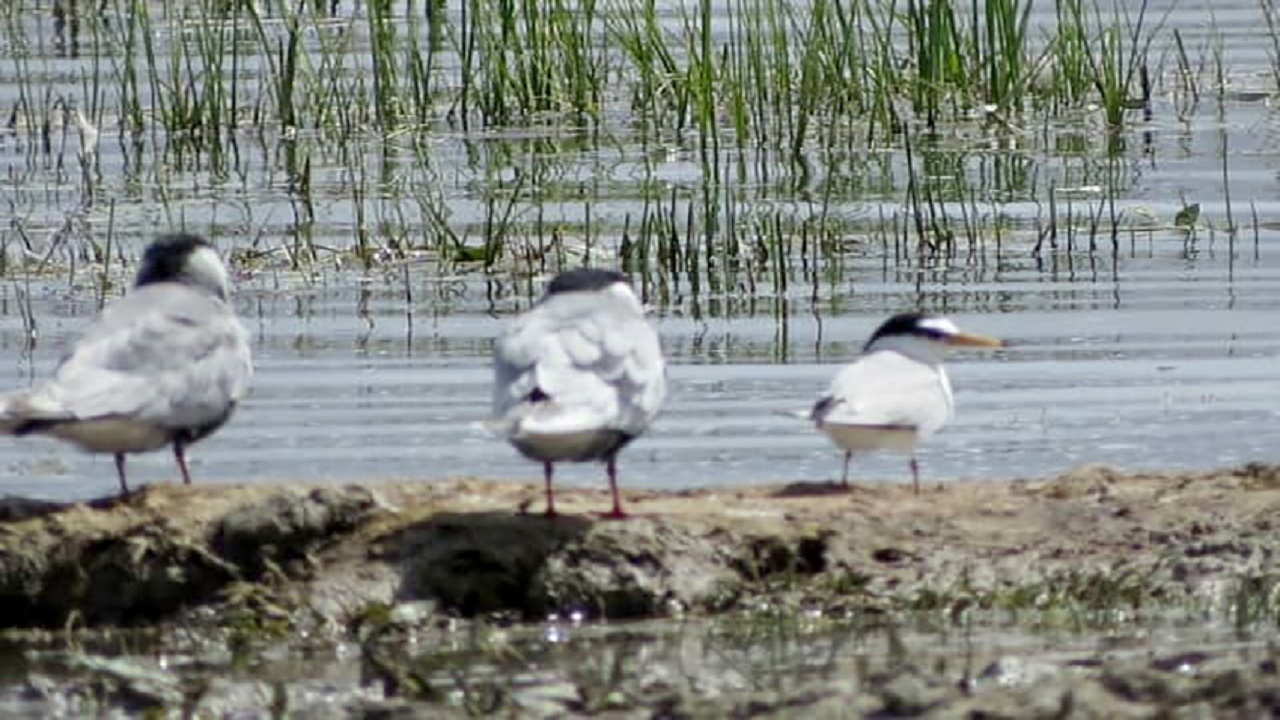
<point>449,598</point>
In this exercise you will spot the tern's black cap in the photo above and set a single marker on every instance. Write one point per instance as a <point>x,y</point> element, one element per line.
<point>909,323</point>
<point>584,280</point>
<point>165,260</point>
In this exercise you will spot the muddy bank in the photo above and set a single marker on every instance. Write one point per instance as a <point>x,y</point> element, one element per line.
<point>408,596</point>
<point>1089,536</point>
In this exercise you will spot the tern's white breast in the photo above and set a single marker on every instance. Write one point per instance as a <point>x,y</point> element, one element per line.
<point>865,438</point>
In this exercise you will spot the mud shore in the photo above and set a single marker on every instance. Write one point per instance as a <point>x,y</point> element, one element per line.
<point>270,562</point>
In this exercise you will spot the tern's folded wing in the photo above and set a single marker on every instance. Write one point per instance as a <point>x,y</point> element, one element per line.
<point>589,364</point>
<point>165,353</point>
<point>887,389</point>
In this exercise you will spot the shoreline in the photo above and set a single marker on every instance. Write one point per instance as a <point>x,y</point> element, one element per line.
<point>466,546</point>
<point>406,599</point>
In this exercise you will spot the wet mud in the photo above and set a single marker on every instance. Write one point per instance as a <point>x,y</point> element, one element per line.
<point>395,590</point>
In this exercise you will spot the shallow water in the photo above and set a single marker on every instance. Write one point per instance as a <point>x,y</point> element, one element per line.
<point>1179,372</point>
<point>561,666</point>
<point>1159,352</point>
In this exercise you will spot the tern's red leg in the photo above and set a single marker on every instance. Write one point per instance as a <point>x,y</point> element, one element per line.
<point>617,513</point>
<point>180,454</point>
<point>124,484</point>
<point>551,496</point>
<point>844,479</point>
<point>915,475</point>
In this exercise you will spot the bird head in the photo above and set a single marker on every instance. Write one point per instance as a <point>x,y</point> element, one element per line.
<point>187,259</point>
<point>924,337</point>
<point>594,280</point>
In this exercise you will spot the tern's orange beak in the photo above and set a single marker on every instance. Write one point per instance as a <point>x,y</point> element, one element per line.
<point>974,340</point>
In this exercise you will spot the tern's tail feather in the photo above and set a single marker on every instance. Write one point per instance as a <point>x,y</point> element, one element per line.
<point>12,416</point>
<point>20,408</point>
<point>548,418</point>
<point>493,426</point>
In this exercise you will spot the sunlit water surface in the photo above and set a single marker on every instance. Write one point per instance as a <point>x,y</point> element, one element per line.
<point>1168,364</point>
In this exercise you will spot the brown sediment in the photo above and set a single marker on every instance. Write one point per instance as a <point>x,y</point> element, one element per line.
<point>464,546</point>
<point>786,600</point>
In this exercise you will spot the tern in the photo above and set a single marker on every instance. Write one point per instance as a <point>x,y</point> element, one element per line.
<point>578,376</point>
<point>165,365</point>
<point>897,392</point>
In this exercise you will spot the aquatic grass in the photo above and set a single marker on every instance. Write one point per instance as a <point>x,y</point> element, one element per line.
<point>283,59</point>
<point>836,42</point>
<point>746,88</point>
<point>659,91</point>
<point>1271,18</point>
<point>783,105</point>
<point>937,55</point>
<point>788,66</point>
<point>1001,51</point>
<point>401,64</point>
<point>382,44</point>
<point>123,51</point>
<point>1065,71</point>
<point>335,96</point>
<point>780,67</point>
<point>523,59</point>
<point>1118,62</point>
<point>26,111</point>
<point>704,105</point>
<point>1188,99</point>
<point>195,92</point>
<point>420,58</point>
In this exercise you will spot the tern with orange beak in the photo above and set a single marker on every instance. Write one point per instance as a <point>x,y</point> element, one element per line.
<point>897,392</point>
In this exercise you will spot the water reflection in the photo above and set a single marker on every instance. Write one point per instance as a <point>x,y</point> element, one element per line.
<point>761,659</point>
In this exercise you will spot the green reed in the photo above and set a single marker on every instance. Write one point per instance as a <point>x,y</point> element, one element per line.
<point>1066,69</point>
<point>659,88</point>
<point>421,58</point>
<point>283,56</point>
<point>1001,50</point>
<point>937,54</point>
<point>25,111</point>
<point>811,104</point>
<point>526,58</point>
<point>382,53</point>
<point>1271,18</point>
<point>834,73</point>
<point>784,71</point>
<point>1118,62</point>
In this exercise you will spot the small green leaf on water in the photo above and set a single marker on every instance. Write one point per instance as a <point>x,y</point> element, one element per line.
<point>466,253</point>
<point>1187,216</point>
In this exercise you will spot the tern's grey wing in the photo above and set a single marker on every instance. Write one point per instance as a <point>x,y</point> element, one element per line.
<point>595,361</point>
<point>885,388</point>
<point>165,354</point>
